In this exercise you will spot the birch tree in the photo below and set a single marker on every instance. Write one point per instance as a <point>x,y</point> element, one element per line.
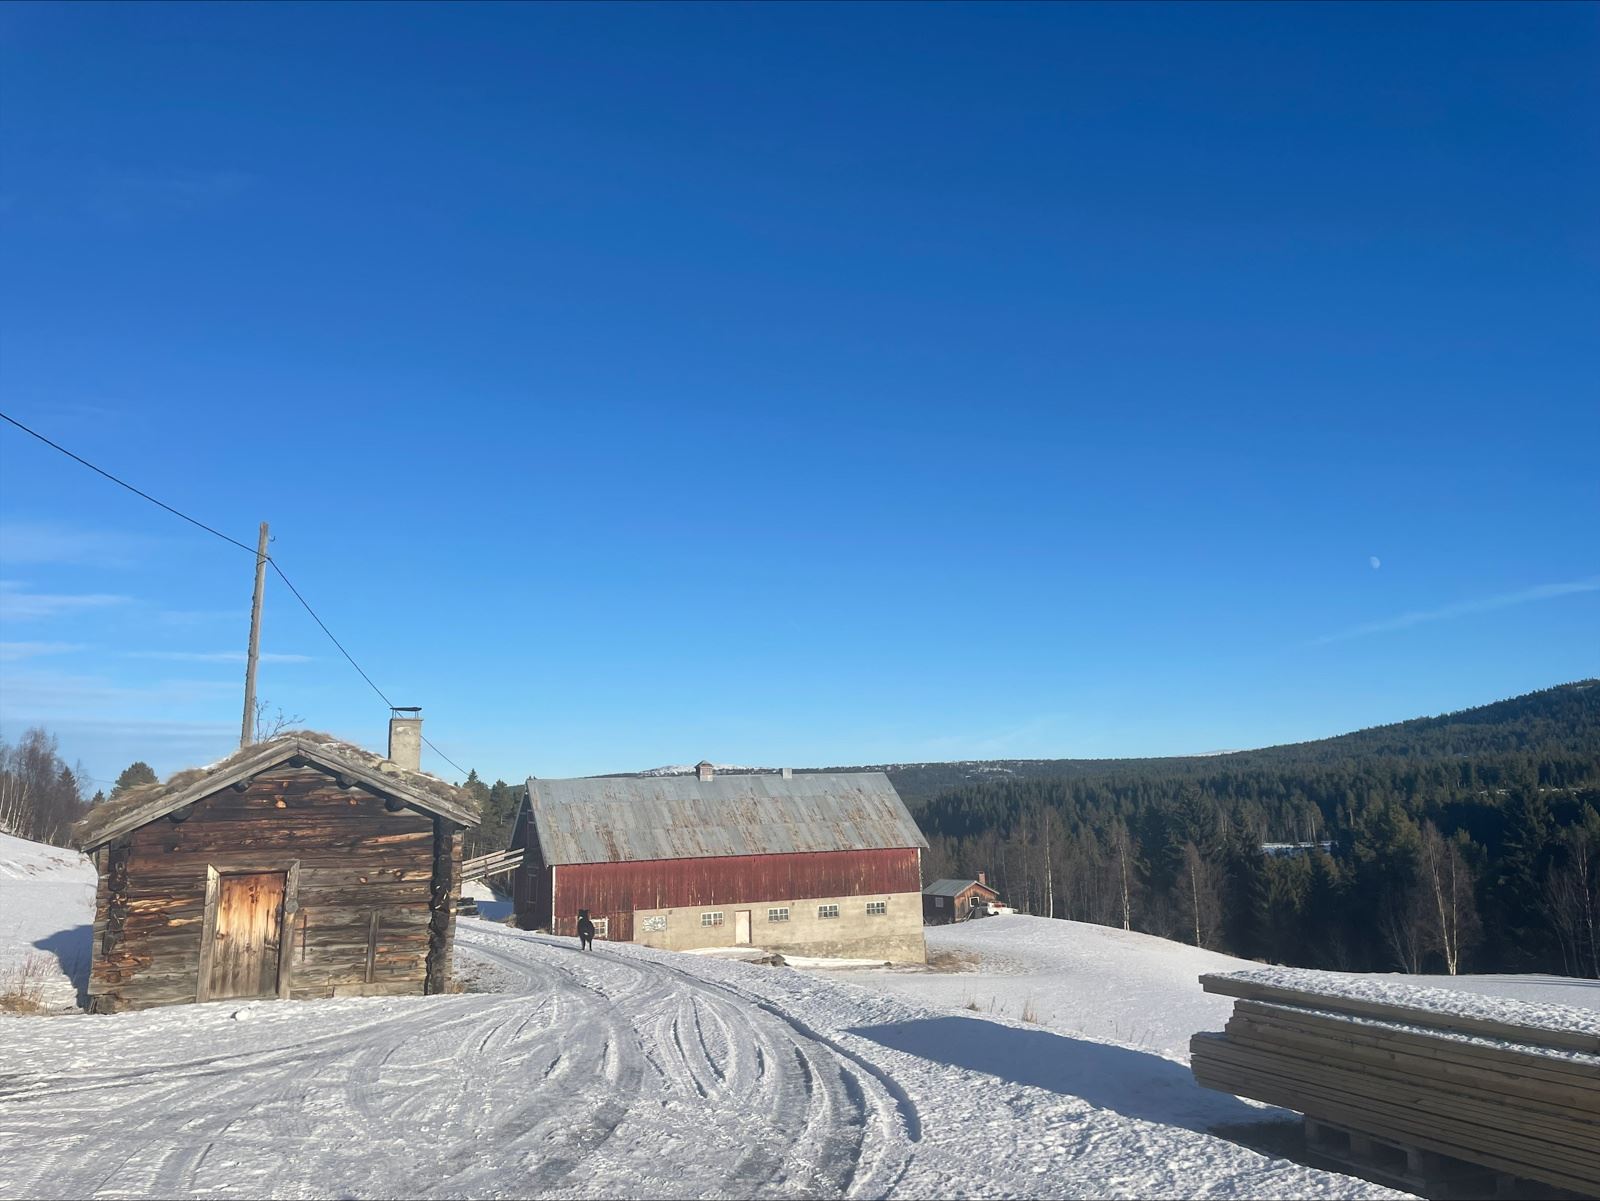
<point>1452,915</point>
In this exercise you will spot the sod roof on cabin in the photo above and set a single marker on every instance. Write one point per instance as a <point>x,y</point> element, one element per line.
<point>139,806</point>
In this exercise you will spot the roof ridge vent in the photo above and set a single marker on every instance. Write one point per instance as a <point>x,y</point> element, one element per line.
<point>704,770</point>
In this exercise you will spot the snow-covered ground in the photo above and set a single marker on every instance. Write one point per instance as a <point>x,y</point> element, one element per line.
<point>46,918</point>
<point>1131,988</point>
<point>626,1072</point>
<point>1069,977</point>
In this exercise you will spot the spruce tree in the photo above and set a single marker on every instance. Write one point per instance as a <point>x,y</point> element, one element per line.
<point>136,773</point>
<point>1518,896</point>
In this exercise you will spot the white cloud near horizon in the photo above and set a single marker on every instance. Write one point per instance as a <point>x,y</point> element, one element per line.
<point>35,696</point>
<point>216,656</point>
<point>19,604</point>
<point>15,652</point>
<point>1484,604</point>
<point>54,542</point>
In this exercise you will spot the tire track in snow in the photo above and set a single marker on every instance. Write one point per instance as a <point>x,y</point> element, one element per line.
<point>602,1075</point>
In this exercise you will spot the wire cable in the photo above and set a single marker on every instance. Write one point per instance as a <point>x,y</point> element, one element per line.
<point>250,549</point>
<point>125,484</point>
<point>448,760</point>
<point>327,631</point>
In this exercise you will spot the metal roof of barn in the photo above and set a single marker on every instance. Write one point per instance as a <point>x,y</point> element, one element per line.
<point>621,819</point>
<point>954,888</point>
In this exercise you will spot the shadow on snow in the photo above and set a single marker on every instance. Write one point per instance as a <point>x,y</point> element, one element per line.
<point>73,950</point>
<point>1133,1083</point>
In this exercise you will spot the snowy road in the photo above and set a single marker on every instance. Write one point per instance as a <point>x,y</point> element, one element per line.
<point>621,1073</point>
<point>601,1073</point>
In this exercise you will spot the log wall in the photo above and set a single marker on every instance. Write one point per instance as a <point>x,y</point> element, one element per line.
<point>373,905</point>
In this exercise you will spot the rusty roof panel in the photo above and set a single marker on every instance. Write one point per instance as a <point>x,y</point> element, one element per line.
<point>612,819</point>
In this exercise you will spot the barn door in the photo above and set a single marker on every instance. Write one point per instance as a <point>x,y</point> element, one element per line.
<point>741,927</point>
<point>249,923</point>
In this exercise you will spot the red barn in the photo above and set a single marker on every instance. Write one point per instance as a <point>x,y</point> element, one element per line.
<point>826,864</point>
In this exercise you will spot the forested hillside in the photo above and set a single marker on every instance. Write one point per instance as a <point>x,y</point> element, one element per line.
<point>1464,842</point>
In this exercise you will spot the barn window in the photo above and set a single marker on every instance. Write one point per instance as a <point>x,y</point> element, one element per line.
<point>827,911</point>
<point>780,914</point>
<point>938,902</point>
<point>602,927</point>
<point>877,908</point>
<point>711,919</point>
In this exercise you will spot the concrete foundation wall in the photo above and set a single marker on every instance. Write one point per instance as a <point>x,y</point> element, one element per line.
<point>895,936</point>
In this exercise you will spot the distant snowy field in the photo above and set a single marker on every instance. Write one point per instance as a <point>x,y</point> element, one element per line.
<point>1124,987</point>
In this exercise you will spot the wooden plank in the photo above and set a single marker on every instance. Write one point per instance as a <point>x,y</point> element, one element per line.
<point>1570,1040</point>
<point>372,943</point>
<point>1328,1105</point>
<point>1531,1062</point>
<point>208,934</point>
<point>1456,1137</point>
<point>1574,1137</point>
<point>1424,1094</point>
<point>1576,1092</point>
<point>1388,1123</point>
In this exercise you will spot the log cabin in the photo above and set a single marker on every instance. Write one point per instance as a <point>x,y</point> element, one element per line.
<point>298,867</point>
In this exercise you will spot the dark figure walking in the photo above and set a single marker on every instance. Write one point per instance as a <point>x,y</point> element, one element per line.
<point>585,931</point>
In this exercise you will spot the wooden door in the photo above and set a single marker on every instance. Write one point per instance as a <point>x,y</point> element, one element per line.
<point>244,953</point>
<point>741,927</point>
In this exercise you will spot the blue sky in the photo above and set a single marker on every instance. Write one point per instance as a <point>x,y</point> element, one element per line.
<point>798,384</point>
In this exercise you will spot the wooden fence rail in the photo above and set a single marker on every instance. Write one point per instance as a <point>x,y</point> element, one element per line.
<point>492,864</point>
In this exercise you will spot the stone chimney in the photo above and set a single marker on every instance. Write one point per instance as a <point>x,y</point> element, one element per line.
<point>405,737</point>
<point>983,878</point>
<point>703,770</point>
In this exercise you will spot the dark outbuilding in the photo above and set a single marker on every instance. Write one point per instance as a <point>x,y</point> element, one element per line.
<point>946,901</point>
<point>295,868</point>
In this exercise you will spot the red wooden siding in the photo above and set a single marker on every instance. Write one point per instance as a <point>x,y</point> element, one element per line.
<point>615,890</point>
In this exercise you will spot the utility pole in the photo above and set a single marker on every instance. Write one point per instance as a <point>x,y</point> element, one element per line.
<point>246,734</point>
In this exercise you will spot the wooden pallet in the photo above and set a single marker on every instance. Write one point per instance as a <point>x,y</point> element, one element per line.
<point>1419,1083</point>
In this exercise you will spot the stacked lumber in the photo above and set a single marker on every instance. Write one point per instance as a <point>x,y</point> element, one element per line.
<point>492,864</point>
<point>1520,1099</point>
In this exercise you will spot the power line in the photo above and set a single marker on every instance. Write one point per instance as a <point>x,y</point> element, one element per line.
<point>252,550</point>
<point>347,655</point>
<point>125,484</point>
<point>447,759</point>
<point>327,631</point>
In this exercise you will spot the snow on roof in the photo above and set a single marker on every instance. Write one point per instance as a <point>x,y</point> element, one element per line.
<point>952,888</point>
<point>137,806</point>
<point>618,819</point>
